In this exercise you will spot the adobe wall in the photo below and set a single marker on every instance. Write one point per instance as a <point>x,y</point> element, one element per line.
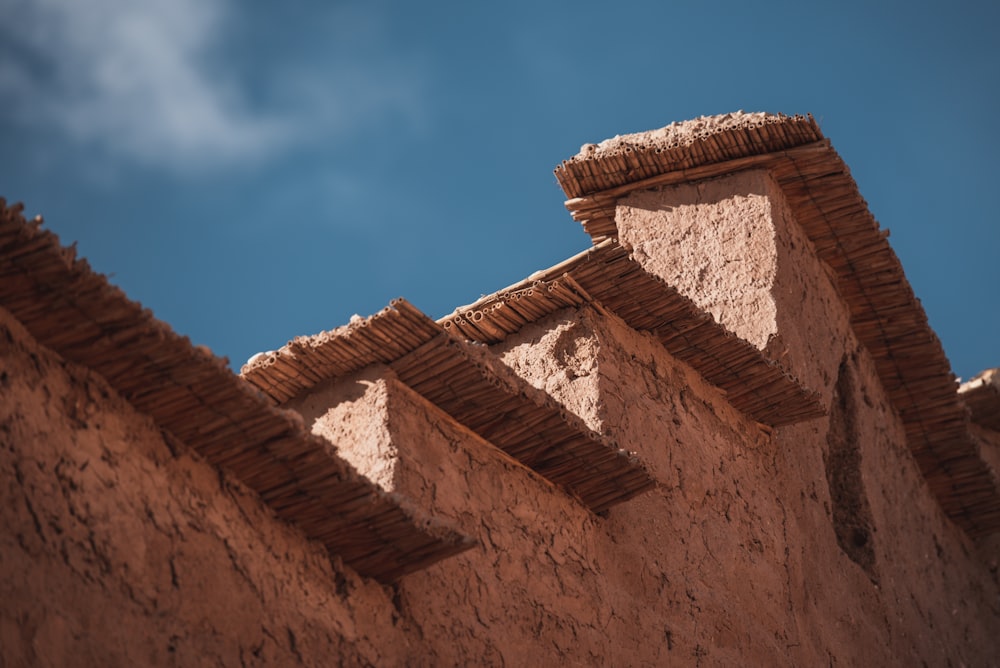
<point>505,601</point>
<point>550,583</point>
<point>735,559</point>
<point>815,544</point>
<point>857,563</point>
<point>742,540</point>
<point>120,547</point>
<point>731,244</point>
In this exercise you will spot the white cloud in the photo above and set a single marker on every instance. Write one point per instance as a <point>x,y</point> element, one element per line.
<point>148,80</point>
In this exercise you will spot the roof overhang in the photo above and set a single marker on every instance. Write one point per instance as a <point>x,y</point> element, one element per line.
<point>885,314</point>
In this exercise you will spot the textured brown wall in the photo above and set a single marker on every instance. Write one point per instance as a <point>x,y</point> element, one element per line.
<point>747,554</point>
<point>531,590</point>
<point>815,544</point>
<point>119,548</point>
<point>731,245</point>
<point>742,541</point>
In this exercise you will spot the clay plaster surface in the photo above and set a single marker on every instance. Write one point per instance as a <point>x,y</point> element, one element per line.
<point>352,414</point>
<point>504,602</point>
<point>120,547</point>
<point>133,551</point>
<point>714,241</point>
<point>731,245</point>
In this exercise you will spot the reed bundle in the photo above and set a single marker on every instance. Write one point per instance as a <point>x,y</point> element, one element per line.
<point>394,331</point>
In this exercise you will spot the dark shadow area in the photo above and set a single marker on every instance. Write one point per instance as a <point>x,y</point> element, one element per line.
<point>851,512</point>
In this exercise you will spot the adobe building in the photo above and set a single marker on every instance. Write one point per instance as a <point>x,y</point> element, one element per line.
<point>723,435</point>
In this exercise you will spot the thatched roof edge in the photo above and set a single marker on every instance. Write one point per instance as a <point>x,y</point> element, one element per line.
<point>885,314</point>
<point>192,394</point>
<point>607,276</point>
<point>681,146</point>
<point>299,365</point>
<point>471,387</point>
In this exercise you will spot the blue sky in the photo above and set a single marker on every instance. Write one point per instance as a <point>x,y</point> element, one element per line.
<point>255,171</point>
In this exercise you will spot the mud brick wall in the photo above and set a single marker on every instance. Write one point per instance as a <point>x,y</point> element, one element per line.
<point>119,547</point>
<point>812,544</point>
<point>129,550</point>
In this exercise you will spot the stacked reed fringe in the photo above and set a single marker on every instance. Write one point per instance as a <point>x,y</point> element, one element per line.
<point>467,383</point>
<point>825,201</point>
<point>194,396</point>
<point>607,277</point>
